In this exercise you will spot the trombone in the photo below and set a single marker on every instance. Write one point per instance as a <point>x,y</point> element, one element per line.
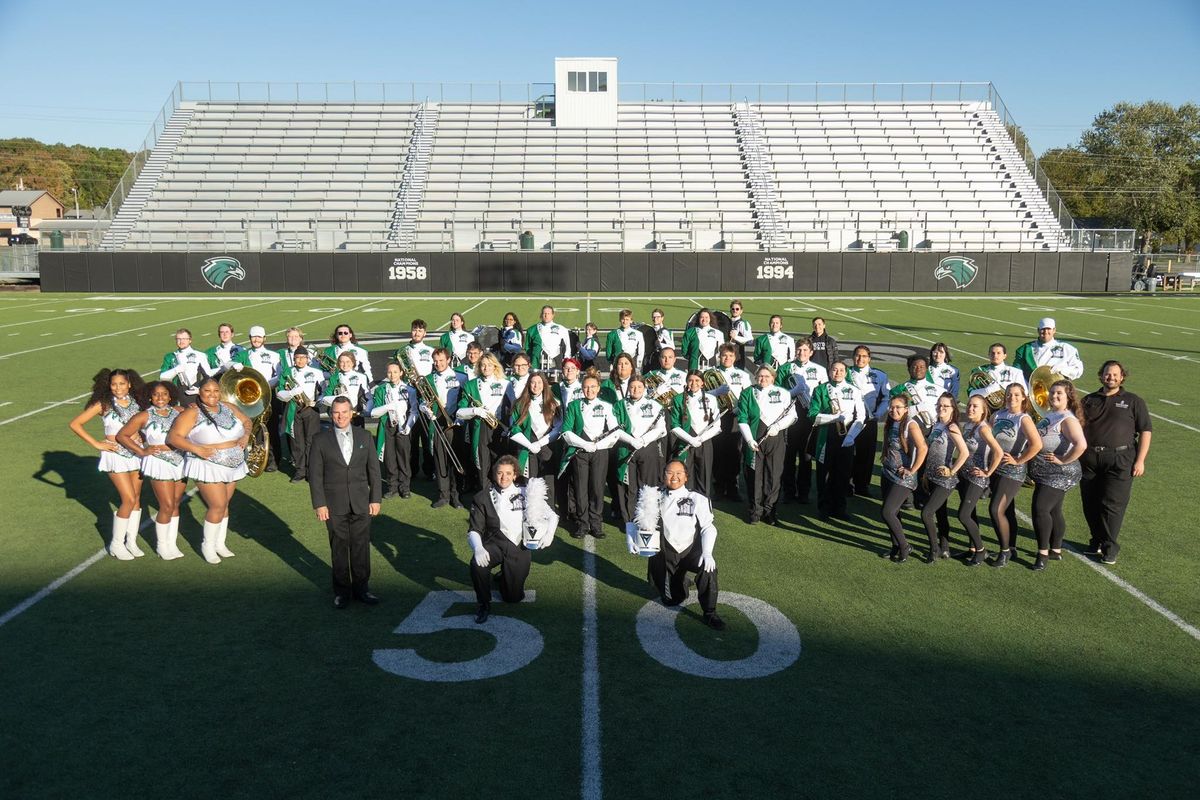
<point>429,397</point>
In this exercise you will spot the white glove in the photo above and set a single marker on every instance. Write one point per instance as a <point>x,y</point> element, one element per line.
<point>482,558</point>
<point>628,439</point>
<point>168,374</point>
<point>547,538</point>
<point>467,413</point>
<point>707,540</point>
<point>542,443</point>
<point>535,448</point>
<point>519,438</point>
<point>852,434</point>
<point>827,419</point>
<point>429,413</point>
<point>589,447</point>
<point>237,366</point>
<point>631,537</point>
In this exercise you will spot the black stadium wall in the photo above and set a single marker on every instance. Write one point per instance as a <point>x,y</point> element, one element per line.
<point>570,272</point>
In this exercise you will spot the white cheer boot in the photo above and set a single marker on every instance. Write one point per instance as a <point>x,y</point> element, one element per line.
<point>222,550</point>
<point>116,547</point>
<point>162,540</point>
<point>173,541</point>
<point>131,533</point>
<point>208,548</point>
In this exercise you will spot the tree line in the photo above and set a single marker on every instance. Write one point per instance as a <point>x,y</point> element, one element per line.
<point>59,168</point>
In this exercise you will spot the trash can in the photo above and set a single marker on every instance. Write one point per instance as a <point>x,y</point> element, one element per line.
<point>56,240</point>
<point>903,240</point>
<point>526,239</point>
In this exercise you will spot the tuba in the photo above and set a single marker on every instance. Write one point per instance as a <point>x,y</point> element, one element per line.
<point>1039,389</point>
<point>249,392</point>
<point>980,380</point>
<point>714,378</point>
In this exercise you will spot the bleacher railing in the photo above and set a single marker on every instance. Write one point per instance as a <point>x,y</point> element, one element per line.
<point>125,182</point>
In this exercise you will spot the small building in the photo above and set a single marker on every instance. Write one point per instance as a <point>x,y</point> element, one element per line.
<point>585,92</point>
<point>43,207</point>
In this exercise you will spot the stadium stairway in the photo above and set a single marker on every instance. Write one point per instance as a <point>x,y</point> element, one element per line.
<point>760,177</point>
<point>1037,208</point>
<point>403,229</point>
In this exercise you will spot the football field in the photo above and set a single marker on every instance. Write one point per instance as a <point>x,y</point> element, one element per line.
<point>840,674</point>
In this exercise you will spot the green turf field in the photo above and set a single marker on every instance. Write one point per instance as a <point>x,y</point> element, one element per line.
<point>181,679</point>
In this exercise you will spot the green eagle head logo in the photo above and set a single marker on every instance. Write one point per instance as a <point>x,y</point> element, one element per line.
<point>217,271</point>
<point>958,269</point>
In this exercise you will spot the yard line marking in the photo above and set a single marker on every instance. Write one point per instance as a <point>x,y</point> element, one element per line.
<point>6,403</point>
<point>1174,422</point>
<point>645,298</point>
<point>589,307</point>
<point>1106,315</point>
<point>698,305</point>
<point>140,306</point>
<point>590,786</point>
<point>1154,333</point>
<point>1146,600</point>
<point>6,305</point>
<point>885,327</point>
<point>125,332</point>
<point>1168,402</point>
<point>48,589</point>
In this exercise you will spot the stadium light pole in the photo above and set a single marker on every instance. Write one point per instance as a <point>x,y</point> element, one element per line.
<point>75,192</point>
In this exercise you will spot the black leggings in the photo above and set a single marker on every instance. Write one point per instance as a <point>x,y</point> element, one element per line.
<point>1003,510</point>
<point>897,495</point>
<point>969,495</point>
<point>1048,522</point>
<point>935,515</point>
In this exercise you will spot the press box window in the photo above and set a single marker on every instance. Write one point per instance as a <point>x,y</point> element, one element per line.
<point>587,81</point>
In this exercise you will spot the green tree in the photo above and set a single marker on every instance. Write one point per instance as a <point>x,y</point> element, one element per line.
<point>59,168</point>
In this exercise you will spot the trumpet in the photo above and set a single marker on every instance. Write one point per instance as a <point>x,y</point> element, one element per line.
<point>488,417</point>
<point>982,380</point>
<point>250,393</point>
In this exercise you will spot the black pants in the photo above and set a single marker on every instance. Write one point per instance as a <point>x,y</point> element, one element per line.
<point>699,463</point>
<point>274,426</point>
<point>590,470</point>
<point>1004,492</point>
<point>864,457</point>
<point>969,495</point>
<point>396,451</point>
<point>305,426</point>
<point>833,475</point>
<point>544,464</point>
<point>797,465</point>
<point>668,569</point>
<point>1105,488</point>
<point>645,469</point>
<point>727,457</point>
<point>1049,525</point>
<point>421,451</point>
<point>935,515</point>
<point>513,560</point>
<point>449,481</point>
<point>484,455</point>
<point>764,481</point>
<point>350,547</point>
<point>896,496</point>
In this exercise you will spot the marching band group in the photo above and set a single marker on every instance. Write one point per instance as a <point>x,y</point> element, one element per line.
<point>528,423</point>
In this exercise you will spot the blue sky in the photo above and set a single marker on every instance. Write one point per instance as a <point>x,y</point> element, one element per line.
<point>98,73</point>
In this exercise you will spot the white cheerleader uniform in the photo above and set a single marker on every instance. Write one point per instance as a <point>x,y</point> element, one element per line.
<point>226,465</point>
<point>114,419</point>
<point>166,466</point>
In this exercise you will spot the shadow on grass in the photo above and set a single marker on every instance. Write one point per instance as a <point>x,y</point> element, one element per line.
<point>80,481</point>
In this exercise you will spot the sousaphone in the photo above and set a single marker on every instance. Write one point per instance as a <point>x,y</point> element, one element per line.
<point>1039,389</point>
<point>249,392</point>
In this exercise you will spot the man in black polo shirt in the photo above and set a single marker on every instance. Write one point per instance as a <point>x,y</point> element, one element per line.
<point>1118,437</point>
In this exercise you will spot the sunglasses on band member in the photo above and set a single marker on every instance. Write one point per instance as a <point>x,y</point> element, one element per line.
<point>343,333</point>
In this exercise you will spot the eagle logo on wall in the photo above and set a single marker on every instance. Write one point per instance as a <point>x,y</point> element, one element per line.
<point>958,269</point>
<point>217,271</point>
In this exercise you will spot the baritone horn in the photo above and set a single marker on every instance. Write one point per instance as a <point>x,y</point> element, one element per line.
<point>983,381</point>
<point>1039,389</point>
<point>714,378</point>
<point>249,392</point>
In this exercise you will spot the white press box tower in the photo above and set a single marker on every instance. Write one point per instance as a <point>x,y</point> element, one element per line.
<point>585,92</point>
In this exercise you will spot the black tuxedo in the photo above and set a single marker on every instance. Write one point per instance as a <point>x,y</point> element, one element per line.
<point>346,490</point>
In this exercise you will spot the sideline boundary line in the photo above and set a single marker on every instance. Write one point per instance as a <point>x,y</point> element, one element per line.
<point>533,297</point>
<point>590,786</point>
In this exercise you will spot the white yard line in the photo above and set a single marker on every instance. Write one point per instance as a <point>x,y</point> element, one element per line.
<point>38,322</point>
<point>1174,422</point>
<point>591,787</point>
<point>884,327</point>
<point>646,298</point>
<point>1169,402</point>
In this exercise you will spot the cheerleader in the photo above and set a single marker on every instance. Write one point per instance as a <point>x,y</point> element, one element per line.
<point>700,344</point>
<point>615,387</point>
<point>343,340</point>
<point>184,365</point>
<point>838,415</point>
<point>216,434</point>
<point>535,426</point>
<point>973,481</point>
<point>695,420</point>
<point>1056,469</point>
<point>591,426</point>
<point>903,455</point>
<point>145,435</point>
<point>941,371</point>
<point>113,399</point>
<point>946,456</point>
<point>640,456</point>
<point>347,382</point>
<point>302,385</point>
<point>512,339</point>
<point>394,404</point>
<point>763,413</point>
<point>571,388</point>
<point>480,399</point>
<point>1019,442</point>
<point>457,339</point>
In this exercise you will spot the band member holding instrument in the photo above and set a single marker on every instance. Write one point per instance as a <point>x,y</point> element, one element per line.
<point>302,384</point>
<point>669,380</point>
<point>921,391</point>
<point>456,339</point>
<point>548,341</point>
<point>1019,441</point>
<point>591,426</point>
<point>295,339</point>
<point>225,353</point>
<point>974,479</point>
<point>625,339</point>
<point>825,347</point>
<point>535,424</point>
<point>801,378</point>
<point>1118,435</point>
<point>114,399</point>
<point>727,445</point>
<point>695,422</point>
<point>764,413</point>
<point>875,388</point>
<point>615,387</point>
<point>1047,351</point>
<point>184,365</point>
<point>504,516</point>
<point>348,382</point>
<point>701,341</point>
<point>268,363</point>
<point>145,435</point>
<point>663,338</point>
<point>512,339</point>
<point>944,461</point>
<point>688,538</point>
<point>479,411</point>
<point>343,340</point>
<point>998,374</point>
<point>941,371</point>
<point>589,348</point>
<point>394,404</point>
<point>639,457</point>
<point>776,347</point>
<point>901,460</point>
<point>419,354</point>
<point>740,333</point>
<point>571,388</point>
<point>1056,470</point>
<point>837,413</point>
<point>216,434</point>
<point>440,412</point>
